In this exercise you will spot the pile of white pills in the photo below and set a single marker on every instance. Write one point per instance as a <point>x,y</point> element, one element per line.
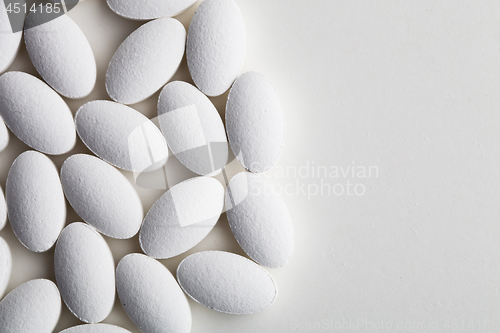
<point>36,193</point>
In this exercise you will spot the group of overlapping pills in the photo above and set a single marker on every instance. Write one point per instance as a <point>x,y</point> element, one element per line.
<point>123,138</point>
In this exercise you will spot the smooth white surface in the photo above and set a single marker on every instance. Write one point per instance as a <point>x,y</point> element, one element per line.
<point>34,306</point>
<point>36,114</point>
<point>3,210</point>
<point>182,217</point>
<point>259,220</point>
<point>148,9</point>
<point>410,87</point>
<point>146,60</point>
<point>216,46</point>
<point>61,54</point>
<point>151,296</point>
<point>95,328</point>
<point>85,272</point>
<point>102,196</point>
<point>121,136</point>
<point>35,201</point>
<point>4,135</point>
<point>227,282</point>
<point>5,265</point>
<point>193,128</point>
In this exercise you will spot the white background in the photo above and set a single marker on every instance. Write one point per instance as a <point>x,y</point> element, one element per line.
<point>409,87</point>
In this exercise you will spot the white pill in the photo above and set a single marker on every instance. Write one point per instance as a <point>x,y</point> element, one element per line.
<point>85,272</point>
<point>149,9</point>
<point>4,135</point>
<point>216,45</point>
<point>61,54</point>
<point>255,122</point>
<point>259,220</point>
<point>3,210</point>
<point>102,196</point>
<point>34,306</point>
<point>193,128</point>
<point>9,41</point>
<point>35,201</point>
<point>146,60</point>
<point>121,136</point>
<point>151,296</point>
<point>5,265</point>
<point>227,282</point>
<point>95,328</point>
<point>36,114</point>
<point>182,217</point>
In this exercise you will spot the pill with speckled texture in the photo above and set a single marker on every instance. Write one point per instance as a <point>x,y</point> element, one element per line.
<point>216,46</point>
<point>36,114</point>
<point>34,306</point>
<point>61,54</point>
<point>3,210</point>
<point>85,272</point>
<point>193,128</point>
<point>182,217</point>
<point>4,135</point>
<point>227,282</point>
<point>149,9</point>
<point>35,201</point>
<point>121,136</point>
<point>255,122</point>
<point>146,60</point>
<point>95,328</point>
<point>101,196</point>
<point>259,220</point>
<point>9,41</point>
<point>5,265</point>
<point>151,296</point>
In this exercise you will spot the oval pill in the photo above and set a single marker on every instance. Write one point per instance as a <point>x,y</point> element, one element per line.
<point>102,196</point>
<point>61,54</point>
<point>149,9</point>
<point>216,46</point>
<point>95,328</point>
<point>5,265</point>
<point>255,122</point>
<point>34,306</point>
<point>85,272</point>
<point>151,296</point>
<point>36,114</point>
<point>3,210</point>
<point>259,220</point>
<point>9,41</point>
<point>226,282</point>
<point>146,60</point>
<point>193,128</point>
<point>35,201</point>
<point>182,217</point>
<point>121,136</point>
<point>4,135</point>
